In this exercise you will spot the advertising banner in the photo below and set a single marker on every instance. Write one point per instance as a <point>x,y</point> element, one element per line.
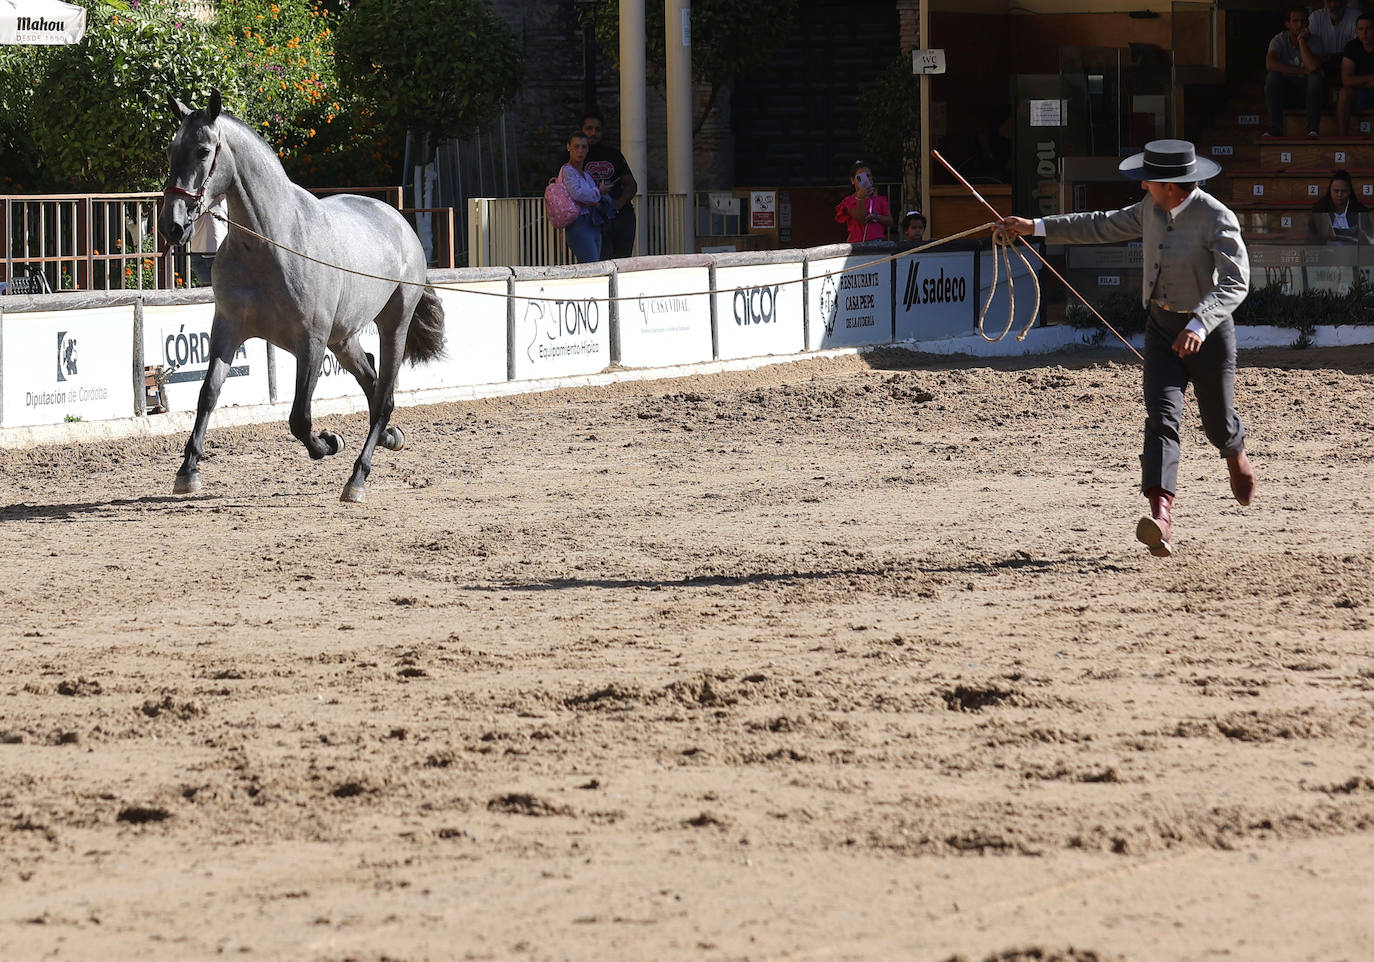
<point>562,327</point>
<point>177,339</point>
<point>475,339</point>
<point>759,310</point>
<point>665,317</point>
<point>334,380</point>
<point>849,301</point>
<point>67,365</point>
<point>935,295</point>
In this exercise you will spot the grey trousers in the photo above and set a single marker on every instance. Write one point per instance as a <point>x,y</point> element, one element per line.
<point>1212,372</point>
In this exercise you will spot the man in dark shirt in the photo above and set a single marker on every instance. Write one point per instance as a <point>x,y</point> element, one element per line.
<point>606,164</point>
<point>1357,74</point>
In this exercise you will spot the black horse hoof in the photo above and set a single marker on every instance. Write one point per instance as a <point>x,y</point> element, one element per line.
<point>394,440</point>
<point>335,442</point>
<point>353,494</point>
<point>187,483</point>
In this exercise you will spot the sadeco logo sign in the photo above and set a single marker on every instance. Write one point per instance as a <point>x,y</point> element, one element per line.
<point>932,290</point>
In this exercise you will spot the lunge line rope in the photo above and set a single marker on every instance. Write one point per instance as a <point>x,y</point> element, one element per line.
<point>959,177</point>
<point>989,226</point>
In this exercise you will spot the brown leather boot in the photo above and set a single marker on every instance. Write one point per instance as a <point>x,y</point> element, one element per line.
<point>1242,478</point>
<point>1153,531</point>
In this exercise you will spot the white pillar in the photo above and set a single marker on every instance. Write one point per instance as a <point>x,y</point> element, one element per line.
<point>633,103</point>
<point>924,43</point>
<point>678,43</point>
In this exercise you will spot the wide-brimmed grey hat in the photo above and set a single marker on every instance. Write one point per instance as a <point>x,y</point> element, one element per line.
<point>1169,161</point>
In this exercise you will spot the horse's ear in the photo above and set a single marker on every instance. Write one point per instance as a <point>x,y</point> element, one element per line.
<point>212,109</point>
<point>179,109</point>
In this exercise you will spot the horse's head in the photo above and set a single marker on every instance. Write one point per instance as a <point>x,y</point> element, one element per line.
<point>196,176</point>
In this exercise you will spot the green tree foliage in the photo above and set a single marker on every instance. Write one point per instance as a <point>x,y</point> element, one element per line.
<point>95,117</point>
<point>890,117</point>
<point>436,67</point>
<point>730,38</point>
<point>283,53</point>
<point>20,166</point>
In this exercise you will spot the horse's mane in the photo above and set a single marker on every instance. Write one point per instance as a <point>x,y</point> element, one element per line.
<point>253,141</point>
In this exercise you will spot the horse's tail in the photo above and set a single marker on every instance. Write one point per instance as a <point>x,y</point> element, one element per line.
<point>425,339</point>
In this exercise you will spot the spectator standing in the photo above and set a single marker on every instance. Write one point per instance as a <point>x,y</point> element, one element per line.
<point>1333,25</point>
<point>1196,272</point>
<point>1338,217</point>
<point>1293,70</point>
<point>206,236</point>
<point>1357,74</point>
<point>864,212</point>
<point>584,234</point>
<point>608,167</point>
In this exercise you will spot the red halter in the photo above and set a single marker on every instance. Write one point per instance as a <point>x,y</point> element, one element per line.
<point>200,194</point>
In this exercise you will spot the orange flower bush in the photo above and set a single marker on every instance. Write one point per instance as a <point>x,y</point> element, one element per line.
<point>286,52</point>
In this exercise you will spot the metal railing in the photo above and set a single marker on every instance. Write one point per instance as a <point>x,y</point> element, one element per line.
<point>87,241</point>
<point>513,231</point>
<point>107,242</point>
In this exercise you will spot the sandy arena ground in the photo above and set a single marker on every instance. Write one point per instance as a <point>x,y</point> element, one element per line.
<point>847,659</point>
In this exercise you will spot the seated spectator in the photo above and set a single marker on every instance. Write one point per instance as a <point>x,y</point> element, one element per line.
<point>1338,217</point>
<point>1333,25</point>
<point>1294,71</point>
<point>913,227</point>
<point>1357,74</point>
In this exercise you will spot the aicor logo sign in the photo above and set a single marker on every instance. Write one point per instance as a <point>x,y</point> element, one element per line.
<point>756,305</point>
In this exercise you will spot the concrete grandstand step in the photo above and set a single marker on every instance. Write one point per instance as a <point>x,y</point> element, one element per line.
<point>1289,187</point>
<point>1324,153</point>
<point>1247,127</point>
<point>1295,123</point>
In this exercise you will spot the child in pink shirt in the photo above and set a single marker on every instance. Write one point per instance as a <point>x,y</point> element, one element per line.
<point>865,213</point>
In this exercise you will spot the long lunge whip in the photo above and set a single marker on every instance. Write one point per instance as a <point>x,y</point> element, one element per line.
<point>1031,247</point>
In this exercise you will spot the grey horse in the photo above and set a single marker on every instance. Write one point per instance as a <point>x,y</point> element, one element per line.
<point>299,305</point>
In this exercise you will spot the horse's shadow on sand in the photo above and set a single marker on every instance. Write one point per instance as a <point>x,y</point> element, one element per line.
<point>1032,565</point>
<point>23,511</point>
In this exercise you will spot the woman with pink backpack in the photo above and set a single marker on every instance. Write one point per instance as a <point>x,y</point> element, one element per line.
<point>576,203</point>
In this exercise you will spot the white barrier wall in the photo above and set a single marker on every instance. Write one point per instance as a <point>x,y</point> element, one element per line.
<point>759,310</point>
<point>75,356</point>
<point>66,365</point>
<point>178,340</point>
<point>935,295</point>
<point>475,330</point>
<point>562,327</point>
<point>849,301</point>
<point>665,317</point>
<point>334,381</point>
<point>475,339</point>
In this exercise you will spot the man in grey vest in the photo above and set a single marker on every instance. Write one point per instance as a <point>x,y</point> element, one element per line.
<point>1196,273</point>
